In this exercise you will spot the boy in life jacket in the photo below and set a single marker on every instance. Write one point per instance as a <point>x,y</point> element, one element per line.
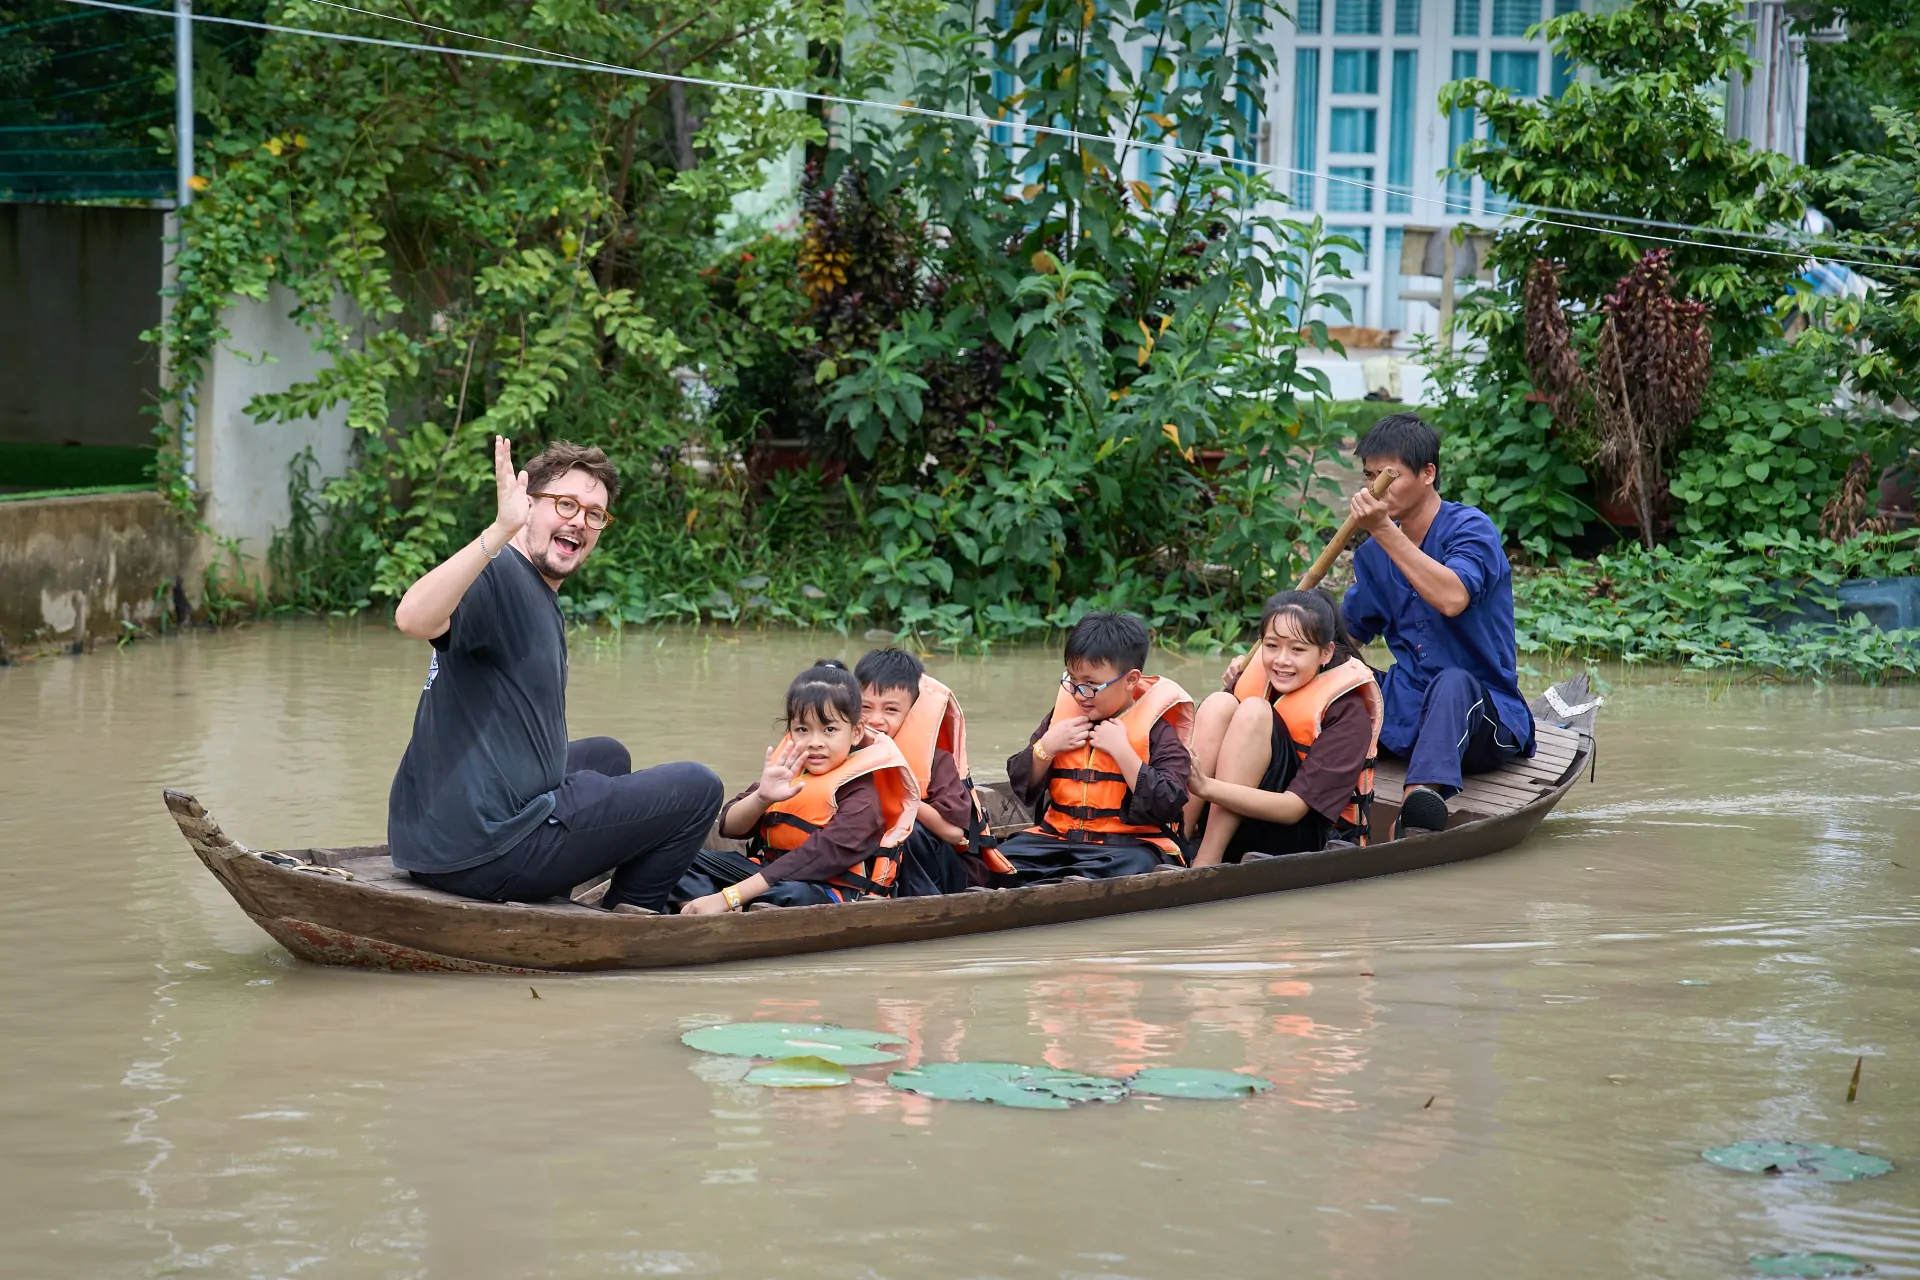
<point>1283,762</point>
<point>1106,771</point>
<point>948,850</point>
<point>827,821</point>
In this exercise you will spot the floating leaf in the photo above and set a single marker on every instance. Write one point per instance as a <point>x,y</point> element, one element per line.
<point>847,1046</point>
<point>1007,1083</point>
<point>1807,1159</point>
<point>809,1072</point>
<point>1194,1082</point>
<point>1807,1264</point>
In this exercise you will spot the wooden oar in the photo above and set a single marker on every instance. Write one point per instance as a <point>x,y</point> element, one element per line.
<point>1341,537</point>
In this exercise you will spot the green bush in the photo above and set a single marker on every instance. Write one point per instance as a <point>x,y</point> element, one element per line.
<point>1500,452</point>
<point>1722,604</point>
<point>1766,453</point>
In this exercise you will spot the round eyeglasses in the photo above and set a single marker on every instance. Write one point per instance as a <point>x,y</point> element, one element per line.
<point>568,507</point>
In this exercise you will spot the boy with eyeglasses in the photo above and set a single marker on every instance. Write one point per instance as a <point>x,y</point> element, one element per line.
<point>1106,771</point>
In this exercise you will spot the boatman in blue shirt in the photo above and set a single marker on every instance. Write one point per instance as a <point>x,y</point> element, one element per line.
<point>1434,581</point>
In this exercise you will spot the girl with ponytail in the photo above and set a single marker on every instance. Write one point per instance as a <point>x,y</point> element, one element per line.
<point>827,821</point>
<point>1283,762</point>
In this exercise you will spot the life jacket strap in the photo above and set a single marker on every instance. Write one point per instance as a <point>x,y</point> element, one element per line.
<point>1089,775</point>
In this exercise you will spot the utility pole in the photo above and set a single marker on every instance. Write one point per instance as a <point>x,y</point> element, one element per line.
<point>183,101</point>
<point>183,196</point>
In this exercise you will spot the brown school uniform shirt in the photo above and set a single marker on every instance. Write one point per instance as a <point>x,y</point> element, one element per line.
<point>1158,795</point>
<point>850,837</point>
<point>946,791</point>
<point>1326,777</point>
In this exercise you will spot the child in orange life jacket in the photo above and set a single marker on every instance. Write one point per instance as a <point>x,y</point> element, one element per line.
<point>827,821</point>
<point>1106,772</point>
<point>948,850</point>
<point>1283,762</point>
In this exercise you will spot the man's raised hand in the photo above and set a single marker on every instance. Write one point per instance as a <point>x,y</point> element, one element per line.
<point>1369,512</point>
<point>510,491</point>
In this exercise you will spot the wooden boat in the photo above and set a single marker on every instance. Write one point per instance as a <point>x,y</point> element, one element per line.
<point>350,906</point>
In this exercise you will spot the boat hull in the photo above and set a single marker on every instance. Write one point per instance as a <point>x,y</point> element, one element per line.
<point>323,916</point>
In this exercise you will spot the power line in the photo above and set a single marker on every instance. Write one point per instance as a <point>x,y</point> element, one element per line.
<point>1449,201</point>
<point>574,63</point>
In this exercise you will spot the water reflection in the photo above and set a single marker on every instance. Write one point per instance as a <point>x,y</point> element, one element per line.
<point>1502,1068</point>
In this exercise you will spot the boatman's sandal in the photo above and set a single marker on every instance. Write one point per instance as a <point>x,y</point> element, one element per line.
<point>1422,809</point>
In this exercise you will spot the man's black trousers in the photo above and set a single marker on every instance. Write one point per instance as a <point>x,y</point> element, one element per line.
<point>645,827</point>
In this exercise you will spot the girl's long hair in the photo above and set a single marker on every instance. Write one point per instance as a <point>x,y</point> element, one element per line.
<point>827,689</point>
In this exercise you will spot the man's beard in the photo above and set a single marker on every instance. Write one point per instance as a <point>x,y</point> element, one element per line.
<point>542,562</point>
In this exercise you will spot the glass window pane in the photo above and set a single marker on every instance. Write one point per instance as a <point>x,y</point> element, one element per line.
<point>1351,130</point>
<point>1356,296</point>
<point>1393,308</point>
<point>1406,17</point>
<point>1563,7</point>
<point>1356,71</point>
<point>1511,18</point>
<point>1516,72</point>
<point>1406,85</point>
<point>1562,73</point>
<point>1350,196</point>
<point>1306,120</point>
<point>1356,17</point>
<point>1362,236</point>
<point>1466,65</point>
<point>1306,16</point>
<point>1466,18</point>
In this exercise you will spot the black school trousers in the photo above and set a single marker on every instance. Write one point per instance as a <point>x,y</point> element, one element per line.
<point>644,827</point>
<point>1039,858</point>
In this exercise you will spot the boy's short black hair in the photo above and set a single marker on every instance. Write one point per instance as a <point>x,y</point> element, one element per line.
<point>1119,638</point>
<point>884,670</point>
<point>1405,437</point>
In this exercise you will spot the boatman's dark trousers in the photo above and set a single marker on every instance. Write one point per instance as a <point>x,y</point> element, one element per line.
<point>1459,734</point>
<point>645,827</point>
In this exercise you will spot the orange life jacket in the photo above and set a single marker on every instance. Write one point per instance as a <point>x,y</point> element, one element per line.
<point>786,825</point>
<point>1085,788</point>
<point>1303,711</point>
<point>935,721</point>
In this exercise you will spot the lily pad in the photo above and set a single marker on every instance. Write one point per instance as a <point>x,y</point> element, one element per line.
<point>1805,1159</point>
<point>1193,1082</point>
<point>800,1073</point>
<point>1808,1264</point>
<point>1009,1084</point>
<point>844,1046</point>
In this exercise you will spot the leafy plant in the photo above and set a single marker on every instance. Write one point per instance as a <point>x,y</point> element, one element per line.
<point>1641,136</point>
<point>1763,602</point>
<point>1767,452</point>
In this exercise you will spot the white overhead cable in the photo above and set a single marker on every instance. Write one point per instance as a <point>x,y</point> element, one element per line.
<point>569,62</point>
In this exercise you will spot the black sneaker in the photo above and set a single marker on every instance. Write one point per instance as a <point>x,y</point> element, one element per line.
<point>1422,809</point>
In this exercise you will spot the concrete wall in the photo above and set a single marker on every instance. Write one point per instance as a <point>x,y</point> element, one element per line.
<point>240,464</point>
<point>77,288</point>
<point>72,569</point>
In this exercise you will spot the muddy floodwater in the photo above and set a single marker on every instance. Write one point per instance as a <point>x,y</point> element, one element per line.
<point>1506,1068</point>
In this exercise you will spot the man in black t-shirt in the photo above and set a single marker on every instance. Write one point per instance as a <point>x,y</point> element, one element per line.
<point>491,800</point>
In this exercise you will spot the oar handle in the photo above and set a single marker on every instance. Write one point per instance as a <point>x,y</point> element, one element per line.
<point>1342,536</point>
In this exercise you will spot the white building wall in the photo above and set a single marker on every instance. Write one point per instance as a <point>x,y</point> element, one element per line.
<point>240,464</point>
